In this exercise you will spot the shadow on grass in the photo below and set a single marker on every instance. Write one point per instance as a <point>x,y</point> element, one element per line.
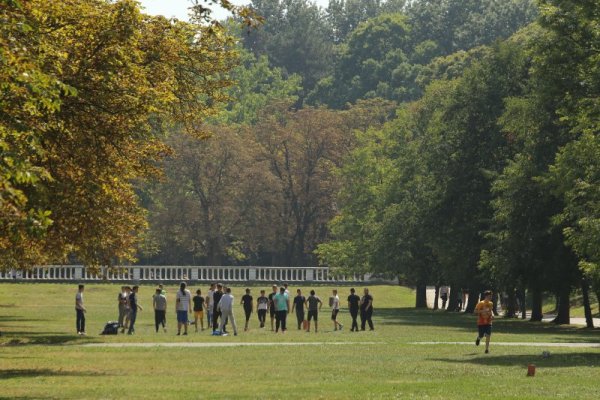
<point>556,360</point>
<point>34,373</point>
<point>43,338</point>
<point>18,318</point>
<point>467,323</point>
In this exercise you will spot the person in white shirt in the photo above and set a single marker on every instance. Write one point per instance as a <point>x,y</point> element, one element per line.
<point>80,311</point>
<point>183,306</point>
<point>335,309</point>
<point>209,302</point>
<point>225,306</point>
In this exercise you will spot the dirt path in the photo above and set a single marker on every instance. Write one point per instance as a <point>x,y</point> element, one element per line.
<point>227,344</point>
<point>524,344</point>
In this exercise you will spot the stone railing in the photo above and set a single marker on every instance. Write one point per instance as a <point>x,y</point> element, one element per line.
<point>140,273</point>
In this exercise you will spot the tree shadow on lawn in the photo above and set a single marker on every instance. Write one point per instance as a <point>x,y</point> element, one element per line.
<point>36,373</point>
<point>44,338</point>
<point>556,360</point>
<point>19,318</point>
<point>467,322</point>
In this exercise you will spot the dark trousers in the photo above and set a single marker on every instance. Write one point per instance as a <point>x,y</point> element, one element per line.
<point>365,316</point>
<point>354,315</point>
<point>248,314</point>
<point>132,318</point>
<point>160,318</point>
<point>300,318</point>
<point>80,321</point>
<point>215,318</point>
<point>280,317</point>
<point>444,300</point>
<point>262,317</point>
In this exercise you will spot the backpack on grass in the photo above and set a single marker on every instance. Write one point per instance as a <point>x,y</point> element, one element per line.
<point>111,328</point>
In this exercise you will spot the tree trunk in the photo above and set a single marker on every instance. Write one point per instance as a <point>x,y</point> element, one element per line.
<point>421,301</point>
<point>564,307</point>
<point>522,295</point>
<point>511,303</point>
<point>472,301</point>
<point>453,300</point>
<point>436,297</point>
<point>536,305</point>
<point>495,298</point>
<point>585,289</point>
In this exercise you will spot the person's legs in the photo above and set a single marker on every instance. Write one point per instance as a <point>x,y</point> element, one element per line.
<point>354,315</point>
<point>369,316</point>
<point>209,318</point>
<point>78,314</point>
<point>299,318</point>
<point>196,321</point>
<point>163,319</point>
<point>215,317</point>
<point>272,314</point>
<point>277,320</point>
<point>262,314</point>
<point>284,321</point>
<point>248,314</point>
<point>201,321</point>
<point>121,315</point>
<point>363,319</point>
<point>157,318</point>
<point>132,319</point>
<point>231,317</point>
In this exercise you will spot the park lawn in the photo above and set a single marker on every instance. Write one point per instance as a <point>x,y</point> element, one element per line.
<point>40,357</point>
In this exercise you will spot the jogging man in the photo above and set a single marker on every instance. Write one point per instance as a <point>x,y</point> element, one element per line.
<point>484,311</point>
<point>314,304</point>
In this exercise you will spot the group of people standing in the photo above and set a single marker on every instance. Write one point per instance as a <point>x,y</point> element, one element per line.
<point>218,306</point>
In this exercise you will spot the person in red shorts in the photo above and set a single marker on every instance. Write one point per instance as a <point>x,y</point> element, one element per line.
<point>484,311</point>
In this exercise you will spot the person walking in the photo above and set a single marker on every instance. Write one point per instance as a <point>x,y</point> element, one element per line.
<point>134,306</point>
<point>183,306</point>
<point>217,294</point>
<point>122,303</point>
<point>353,307</point>
<point>298,305</point>
<point>484,311</point>
<point>282,306</point>
<point>248,306</point>
<point>335,309</point>
<point>209,302</point>
<point>444,295</point>
<point>127,310</point>
<point>314,304</point>
<point>262,305</point>
<point>159,303</point>
<point>198,301</point>
<point>225,307</point>
<point>80,311</point>
<point>366,310</point>
<point>272,305</point>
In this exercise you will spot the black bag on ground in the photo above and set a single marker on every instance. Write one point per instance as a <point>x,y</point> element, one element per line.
<point>111,328</point>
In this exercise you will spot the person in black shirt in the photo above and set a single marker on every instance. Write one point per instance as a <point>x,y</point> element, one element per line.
<point>133,309</point>
<point>198,309</point>
<point>366,310</point>
<point>353,306</point>
<point>272,306</point>
<point>216,313</point>
<point>298,305</point>
<point>248,306</point>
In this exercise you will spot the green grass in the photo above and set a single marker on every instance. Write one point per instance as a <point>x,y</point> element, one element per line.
<point>40,357</point>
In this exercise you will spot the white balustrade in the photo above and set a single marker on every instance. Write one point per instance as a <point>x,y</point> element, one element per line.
<point>141,273</point>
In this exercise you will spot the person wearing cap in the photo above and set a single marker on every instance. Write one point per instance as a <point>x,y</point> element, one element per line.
<point>159,303</point>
